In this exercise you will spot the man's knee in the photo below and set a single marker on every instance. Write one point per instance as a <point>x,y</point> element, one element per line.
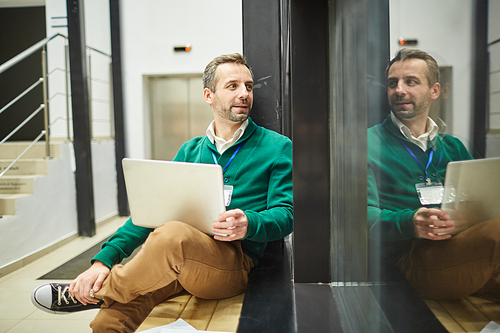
<point>173,232</point>
<point>488,230</point>
<point>175,239</point>
<point>483,240</point>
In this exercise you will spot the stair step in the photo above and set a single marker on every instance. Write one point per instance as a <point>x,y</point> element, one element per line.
<point>11,150</point>
<point>17,184</point>
<point>29,166</point>
<point>8,203</point>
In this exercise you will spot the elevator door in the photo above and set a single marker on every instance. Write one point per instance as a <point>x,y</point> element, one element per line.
<point>178,113</point>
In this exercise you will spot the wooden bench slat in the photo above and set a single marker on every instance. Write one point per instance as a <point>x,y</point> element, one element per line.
<point>166,312</point>
<point>466,314</point>
<point>489,308</point>
<point>444,317</point>
<point>199,312</point>
<point>227,314</point>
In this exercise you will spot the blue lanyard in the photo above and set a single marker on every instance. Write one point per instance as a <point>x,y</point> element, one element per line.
<point>230,160</point>
<point>428,162</point>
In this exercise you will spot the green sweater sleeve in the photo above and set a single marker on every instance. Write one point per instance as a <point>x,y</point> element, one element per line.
<point>389,225</point>
<point>276,221</point>
<point>121,245</point>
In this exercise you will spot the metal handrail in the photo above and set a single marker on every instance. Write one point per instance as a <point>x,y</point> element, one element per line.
<point>15,60</point>
<point>23,55</point>
<point>26,53</point>
<point>21,95</point>
<point>98,51</point>
<point>23,123</point>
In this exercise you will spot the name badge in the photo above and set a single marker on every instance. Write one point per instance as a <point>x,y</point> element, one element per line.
<point>430,193</point>
<point>228,193</point>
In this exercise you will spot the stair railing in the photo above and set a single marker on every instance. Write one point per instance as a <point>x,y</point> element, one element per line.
<point>43,80</point>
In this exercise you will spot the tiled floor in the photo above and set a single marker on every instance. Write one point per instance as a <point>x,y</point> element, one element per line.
<point>18,315</point>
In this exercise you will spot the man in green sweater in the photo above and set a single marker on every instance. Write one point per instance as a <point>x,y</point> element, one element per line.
<point>407,159</point>
<point>257,166</point>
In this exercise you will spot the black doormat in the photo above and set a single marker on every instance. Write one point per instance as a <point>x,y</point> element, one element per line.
<point>72,268</point>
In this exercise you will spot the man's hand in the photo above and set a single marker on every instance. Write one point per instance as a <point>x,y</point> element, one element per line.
<point>92,278</point>
<point>432,223</point>
<point>233,223</point>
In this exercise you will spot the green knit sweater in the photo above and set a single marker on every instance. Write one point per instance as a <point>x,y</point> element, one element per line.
<point>261,174</point>
<point>392,175</point>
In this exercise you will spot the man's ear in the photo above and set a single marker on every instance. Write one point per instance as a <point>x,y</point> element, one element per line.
<point>435,90</point>
<point>207,94</point>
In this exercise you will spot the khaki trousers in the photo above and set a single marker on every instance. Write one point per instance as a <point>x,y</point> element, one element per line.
<point>174,257</point>
<point>465,264</point>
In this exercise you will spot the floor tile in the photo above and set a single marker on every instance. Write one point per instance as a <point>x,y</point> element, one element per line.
<point>19,315</point>
<point>51,326</point>
<point>87,315</point>
<point>6,325</point>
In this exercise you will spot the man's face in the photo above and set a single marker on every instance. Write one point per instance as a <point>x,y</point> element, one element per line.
<point>233,96</point>
<point>408,89</point>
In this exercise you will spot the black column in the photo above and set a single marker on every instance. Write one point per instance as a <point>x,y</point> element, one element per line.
<point>81,118</point>
<point>480,78</point>
<point>116,57</point>
<point>262,48</point>
<point>379,54</point>
<point>311,140</point>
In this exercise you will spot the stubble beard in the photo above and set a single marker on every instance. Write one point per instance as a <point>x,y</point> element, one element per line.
<point>416,110</point>
<point>225,112</point>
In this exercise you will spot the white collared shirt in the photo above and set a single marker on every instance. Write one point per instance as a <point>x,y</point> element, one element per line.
<point>422,140</point>
<point>221,144</point>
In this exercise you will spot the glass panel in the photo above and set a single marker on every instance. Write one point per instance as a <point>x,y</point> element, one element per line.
<point>493,136</point>
<point>409,155</point>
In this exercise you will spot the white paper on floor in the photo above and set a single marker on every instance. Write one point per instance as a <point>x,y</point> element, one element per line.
<point>178,326</point>
<point>492,327</point>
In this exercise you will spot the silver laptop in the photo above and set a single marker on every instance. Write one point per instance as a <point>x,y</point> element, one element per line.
<point>472,192</point>
<point>163,191</point>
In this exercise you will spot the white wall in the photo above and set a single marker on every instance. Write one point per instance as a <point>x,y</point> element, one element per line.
<point>44,218</point>
<point>150,30</point>
<point>444,30</point>
<point>104,174</point>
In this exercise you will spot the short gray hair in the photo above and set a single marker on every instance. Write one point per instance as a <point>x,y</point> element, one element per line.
<point>432,73</point>
<point>210,77</point>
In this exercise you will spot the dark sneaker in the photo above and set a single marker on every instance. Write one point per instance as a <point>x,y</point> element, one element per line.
<point>55,298</point>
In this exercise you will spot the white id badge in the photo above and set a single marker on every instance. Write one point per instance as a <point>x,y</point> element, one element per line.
<point>430,193</point>
<point>228,193</point>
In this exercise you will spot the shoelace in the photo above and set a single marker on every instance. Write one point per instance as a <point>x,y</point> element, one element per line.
<point>61,295</point>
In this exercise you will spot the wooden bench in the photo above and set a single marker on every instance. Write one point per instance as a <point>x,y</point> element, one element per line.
<point>469,314</point>
<point>202,314</point>
<point>266,304</point>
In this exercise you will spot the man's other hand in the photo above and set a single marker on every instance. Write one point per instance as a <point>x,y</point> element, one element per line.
<point>433,224</point>
<point>233,223</point>
<point>92,278</point>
